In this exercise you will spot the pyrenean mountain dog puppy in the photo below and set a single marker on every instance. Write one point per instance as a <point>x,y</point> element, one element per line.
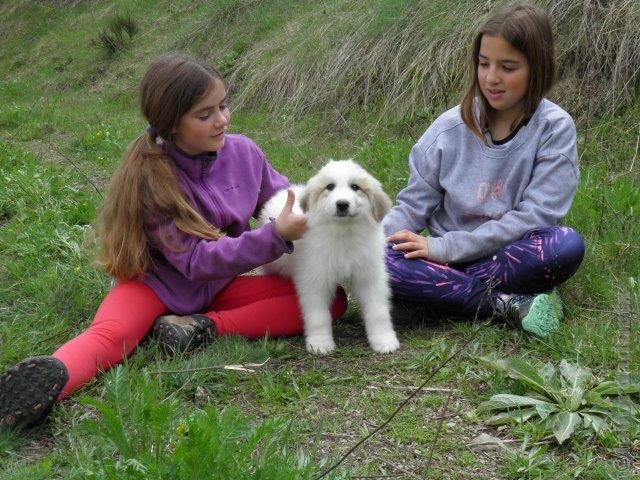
<point>344,245</point>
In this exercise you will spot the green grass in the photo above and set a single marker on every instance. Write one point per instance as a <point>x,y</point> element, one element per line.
<point>68,110</point>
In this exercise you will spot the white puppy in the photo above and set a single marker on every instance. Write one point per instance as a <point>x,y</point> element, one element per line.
<point>344,245</point>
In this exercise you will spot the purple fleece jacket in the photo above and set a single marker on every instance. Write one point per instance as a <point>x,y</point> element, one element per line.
<point>227,188</point>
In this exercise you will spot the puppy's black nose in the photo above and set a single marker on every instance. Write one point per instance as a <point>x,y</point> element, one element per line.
<point>342,207</point>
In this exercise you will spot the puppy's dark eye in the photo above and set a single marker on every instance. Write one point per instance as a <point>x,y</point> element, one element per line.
<point>355,187</point>
<point>331,186</point>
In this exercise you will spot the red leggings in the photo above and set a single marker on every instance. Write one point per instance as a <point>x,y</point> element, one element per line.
<point>250,306</point>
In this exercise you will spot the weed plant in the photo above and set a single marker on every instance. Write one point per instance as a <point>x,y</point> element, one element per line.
<point>565,400</point>
<point>156,437</point>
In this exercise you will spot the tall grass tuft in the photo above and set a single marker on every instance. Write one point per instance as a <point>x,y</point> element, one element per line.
<point>117,35</point>
<point>355,56</point>
<point>139,434</point>
<point>411,57</point>
<point>599,54</point>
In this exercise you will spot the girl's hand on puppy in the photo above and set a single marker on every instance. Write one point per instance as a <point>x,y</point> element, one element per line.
<point>290,226</point>
<point>413,244</point>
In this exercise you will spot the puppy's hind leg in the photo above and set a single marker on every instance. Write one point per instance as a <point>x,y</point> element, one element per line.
<point>315,302</point>
<point>374,297</point>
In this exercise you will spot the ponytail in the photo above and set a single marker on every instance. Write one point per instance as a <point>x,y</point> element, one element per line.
<point>144,189</point>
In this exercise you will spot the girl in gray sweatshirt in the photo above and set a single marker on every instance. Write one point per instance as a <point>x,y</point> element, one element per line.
<point>490,181</point>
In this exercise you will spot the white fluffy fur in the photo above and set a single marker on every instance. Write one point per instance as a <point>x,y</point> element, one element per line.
<point>342,246</point>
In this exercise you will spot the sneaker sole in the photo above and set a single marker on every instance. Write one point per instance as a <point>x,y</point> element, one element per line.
<point>29,390</point>
<point>544,314</point>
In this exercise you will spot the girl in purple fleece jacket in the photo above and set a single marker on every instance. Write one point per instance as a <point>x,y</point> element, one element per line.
<point>174,232</point>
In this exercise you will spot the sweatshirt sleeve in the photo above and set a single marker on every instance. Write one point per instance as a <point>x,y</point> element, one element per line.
<point>423,193</point>
<point>205,260</point>
<point>545,201</point>
<point>271,181</point>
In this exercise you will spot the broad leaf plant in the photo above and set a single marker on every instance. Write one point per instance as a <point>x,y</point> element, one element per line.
<point>565,399</point>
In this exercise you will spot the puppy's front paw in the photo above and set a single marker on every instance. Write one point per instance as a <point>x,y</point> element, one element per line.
<point>320,345</point>
<point>385,343</point>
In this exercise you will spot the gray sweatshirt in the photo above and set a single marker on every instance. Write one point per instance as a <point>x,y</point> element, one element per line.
<point>475,198</point>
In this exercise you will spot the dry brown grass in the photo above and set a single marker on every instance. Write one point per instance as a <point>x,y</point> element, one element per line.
<point>354,58</point>
<point>413,59</point>
<point>599,53</point>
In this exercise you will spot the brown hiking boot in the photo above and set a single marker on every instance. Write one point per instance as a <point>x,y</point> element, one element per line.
<point>183,334</point>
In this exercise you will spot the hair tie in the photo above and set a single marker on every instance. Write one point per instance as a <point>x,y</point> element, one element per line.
<point>153,133</point>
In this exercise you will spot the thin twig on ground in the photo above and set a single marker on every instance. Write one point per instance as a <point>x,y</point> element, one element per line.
<point>409,387</point>
<point>243,367</point>
<point>443,412</point>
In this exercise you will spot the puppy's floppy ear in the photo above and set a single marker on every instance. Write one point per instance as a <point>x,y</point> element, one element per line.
<point>311,191</point>
<point>305,198</point>
<point>380,201</point>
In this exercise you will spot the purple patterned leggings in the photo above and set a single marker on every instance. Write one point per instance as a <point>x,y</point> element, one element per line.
<point>542,259</point>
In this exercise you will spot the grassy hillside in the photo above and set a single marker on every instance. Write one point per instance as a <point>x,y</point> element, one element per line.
<point>309,80</point>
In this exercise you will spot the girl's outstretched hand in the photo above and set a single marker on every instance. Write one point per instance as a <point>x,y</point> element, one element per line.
<point>413,244</point>
<point>290,226</point>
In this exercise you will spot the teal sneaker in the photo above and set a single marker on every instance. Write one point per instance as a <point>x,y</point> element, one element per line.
<point>539,314</point>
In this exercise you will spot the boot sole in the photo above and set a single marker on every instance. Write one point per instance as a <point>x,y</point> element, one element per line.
<point>29,390</point>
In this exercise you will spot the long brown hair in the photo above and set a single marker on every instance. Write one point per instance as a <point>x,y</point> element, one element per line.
<point>526,28</point>
<point>144,188</point>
